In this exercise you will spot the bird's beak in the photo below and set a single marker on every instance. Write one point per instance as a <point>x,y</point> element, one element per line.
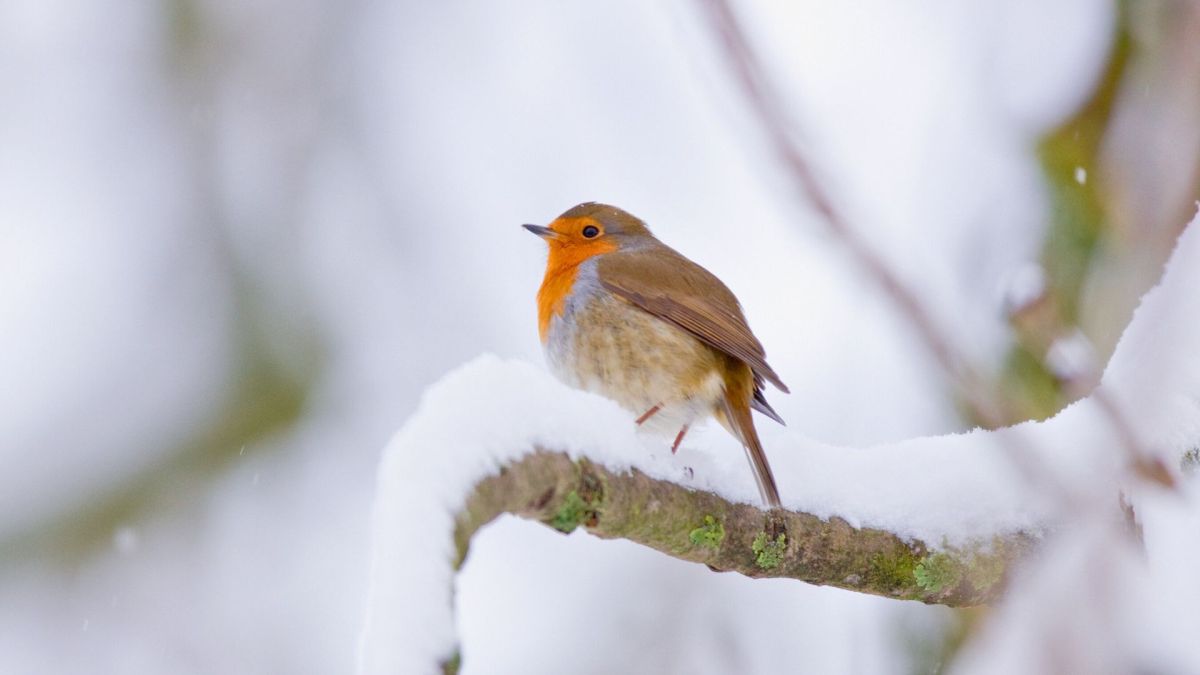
<point>543,232</point>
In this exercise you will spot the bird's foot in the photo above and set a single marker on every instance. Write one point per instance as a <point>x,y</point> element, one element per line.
<point>679,439</point>
<point>648,414</point>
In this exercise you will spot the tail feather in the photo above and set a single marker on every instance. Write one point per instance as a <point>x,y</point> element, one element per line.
<point>738,421</point>
<point>759,403</point>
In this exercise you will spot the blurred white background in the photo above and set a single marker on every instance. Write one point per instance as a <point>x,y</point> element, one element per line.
<point>238,239</point>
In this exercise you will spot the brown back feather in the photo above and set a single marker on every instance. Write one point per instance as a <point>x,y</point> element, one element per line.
<point>662,282</point>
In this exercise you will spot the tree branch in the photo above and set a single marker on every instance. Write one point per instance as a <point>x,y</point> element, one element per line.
<point>702,527</point>
<point>765,105</point>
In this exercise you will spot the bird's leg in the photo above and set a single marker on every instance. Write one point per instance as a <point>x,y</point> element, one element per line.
<point>649,413</point>
<point>679,439</point>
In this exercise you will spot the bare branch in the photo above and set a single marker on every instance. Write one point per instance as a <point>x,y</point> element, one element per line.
<point>954,364</point>
<point>775,124</point>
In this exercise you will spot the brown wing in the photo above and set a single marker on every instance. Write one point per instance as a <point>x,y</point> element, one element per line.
<point>673,288</point>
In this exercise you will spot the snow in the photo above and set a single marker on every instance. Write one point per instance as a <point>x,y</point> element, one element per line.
<point>1071,357</point>
<point>414,138</point>
<point>946,490</point>
<point>1092,601</point>
<point>1023,286</point>
<point>456,438</point>
<point>1154,372</point>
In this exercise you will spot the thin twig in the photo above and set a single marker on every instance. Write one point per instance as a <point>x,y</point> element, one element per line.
<point>1143,464</point>
<point>954,364</point>
<point>774,122</point>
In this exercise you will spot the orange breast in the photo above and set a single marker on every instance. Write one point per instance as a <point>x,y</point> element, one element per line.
<point>562,268</point>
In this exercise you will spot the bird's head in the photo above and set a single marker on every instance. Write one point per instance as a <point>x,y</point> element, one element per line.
<point>592,229</point>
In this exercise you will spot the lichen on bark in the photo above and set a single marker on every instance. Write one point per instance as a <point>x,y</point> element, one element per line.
<point>702,527</point>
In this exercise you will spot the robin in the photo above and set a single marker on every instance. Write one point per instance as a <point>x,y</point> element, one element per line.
<point>624,315</point>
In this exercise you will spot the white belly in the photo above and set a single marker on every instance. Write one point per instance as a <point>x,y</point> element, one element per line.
<point>605,345</point>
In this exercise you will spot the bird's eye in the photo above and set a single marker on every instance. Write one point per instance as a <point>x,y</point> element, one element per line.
<point>591,231</point>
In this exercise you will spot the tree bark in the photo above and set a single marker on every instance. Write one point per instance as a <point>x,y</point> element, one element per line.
<point>702,527</point>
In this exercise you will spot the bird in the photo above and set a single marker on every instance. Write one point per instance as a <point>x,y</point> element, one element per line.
<point>623,315</point>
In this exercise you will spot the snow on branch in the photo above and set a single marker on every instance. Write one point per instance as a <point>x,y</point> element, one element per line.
<point>936,519</point>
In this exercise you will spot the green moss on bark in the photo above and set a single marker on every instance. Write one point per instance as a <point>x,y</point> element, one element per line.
<point>571,513</point>
<point>893,569</point>
<point>768,552</point>
<point>710,534</point>
<point>705,528</point>
<point>937,572</point>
